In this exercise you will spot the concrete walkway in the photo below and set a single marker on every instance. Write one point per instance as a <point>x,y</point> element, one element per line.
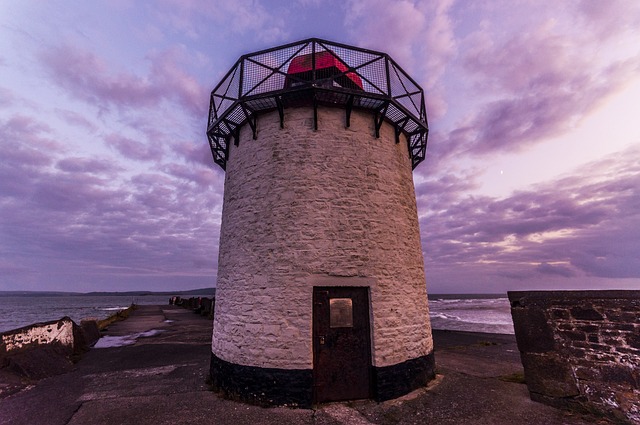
<point>160,378</point>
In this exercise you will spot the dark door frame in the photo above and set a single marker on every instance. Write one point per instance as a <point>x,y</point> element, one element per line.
<point>362,322</point>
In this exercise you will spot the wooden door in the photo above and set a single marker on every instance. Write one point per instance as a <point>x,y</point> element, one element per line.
<point>341,344</point>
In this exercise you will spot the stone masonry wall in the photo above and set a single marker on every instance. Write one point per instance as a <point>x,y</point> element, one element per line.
<point>581,349</point>
<point>305,208</point>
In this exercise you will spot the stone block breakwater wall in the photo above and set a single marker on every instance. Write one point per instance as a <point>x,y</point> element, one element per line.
<point>581,349</point>
<point>199,305</point>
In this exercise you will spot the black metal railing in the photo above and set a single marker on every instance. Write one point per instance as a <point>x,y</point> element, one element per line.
<point>316,72</point>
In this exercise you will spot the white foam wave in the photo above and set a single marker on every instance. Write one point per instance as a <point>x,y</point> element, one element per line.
<point>444,316</point>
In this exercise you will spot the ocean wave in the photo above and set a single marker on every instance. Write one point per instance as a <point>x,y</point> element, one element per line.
<point>471,314</point>
<point>445,316</point>
<point>469,301</point>
<point>471,320</point>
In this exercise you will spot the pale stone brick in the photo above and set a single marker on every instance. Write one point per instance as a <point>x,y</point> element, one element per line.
<point>306,208</point>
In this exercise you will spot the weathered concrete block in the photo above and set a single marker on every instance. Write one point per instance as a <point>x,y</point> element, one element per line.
<point>60,332</point>
<point>40,363</point>
<point>43,349</point>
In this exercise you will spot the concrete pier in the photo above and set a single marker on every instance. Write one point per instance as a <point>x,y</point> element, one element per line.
<point>160,378</point>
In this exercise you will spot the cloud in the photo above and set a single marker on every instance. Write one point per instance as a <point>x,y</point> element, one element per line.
<point>555,270</point>
<point>130,194</point>
<point>77,120</point>
<point>95,227</point>
<point>401,21</point>
<point>440,43</point>
<point>583,225</point>
<point>203,177</point>
<point>68,217</point>
<point>609,19</point>
<point>133,149</point>
<point>196,153</point>
<point>25,141</point>
<point>68,193</point>
<point>418,35</point>
<point>439,194</point>
<point>21,125</point>
<point>193,18</point>
<point>87,165</point>
<point>539,84</point>
<point>86,76</point>
<point>175,82</point>
<point>6,97</point>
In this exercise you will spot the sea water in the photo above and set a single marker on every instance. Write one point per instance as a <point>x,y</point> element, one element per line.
<point>472,313</point>
<point>24,310</point>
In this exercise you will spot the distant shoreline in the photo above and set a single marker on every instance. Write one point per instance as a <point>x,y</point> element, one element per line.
<point>201,291</point>
<point>467,296</point>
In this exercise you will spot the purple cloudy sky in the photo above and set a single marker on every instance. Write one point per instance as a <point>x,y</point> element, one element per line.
<point>533,171</point>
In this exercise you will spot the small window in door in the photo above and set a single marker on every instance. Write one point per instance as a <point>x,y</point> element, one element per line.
<point>340,313</point>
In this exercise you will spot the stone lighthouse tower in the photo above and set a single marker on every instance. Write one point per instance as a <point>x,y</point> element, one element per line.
<point>321,291</point>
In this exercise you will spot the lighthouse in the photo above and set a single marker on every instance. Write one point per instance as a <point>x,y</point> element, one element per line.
<point>321,292</point>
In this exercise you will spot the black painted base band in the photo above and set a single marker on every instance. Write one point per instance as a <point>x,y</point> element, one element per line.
<point>262,386</point>
<point>294,387</point>
<point>397,380</point>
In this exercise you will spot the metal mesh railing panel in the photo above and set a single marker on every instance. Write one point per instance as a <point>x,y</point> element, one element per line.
<point>401,86</point>
<point>237,115</point>
<point>374,76</point>
<point>266,72</point>
<point>226,104</point>
<point>262,104</point>
<point>368,66</point>
<point>411,126</point>
<point>354,58</point>
<point>270,83</point>
<point>369,103</point>
<point>227,89</point>
<point>408,86</point>
<point>409,103</point>
<point>394,114</point>
<point>346,76</point>
<point>225,128</point>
